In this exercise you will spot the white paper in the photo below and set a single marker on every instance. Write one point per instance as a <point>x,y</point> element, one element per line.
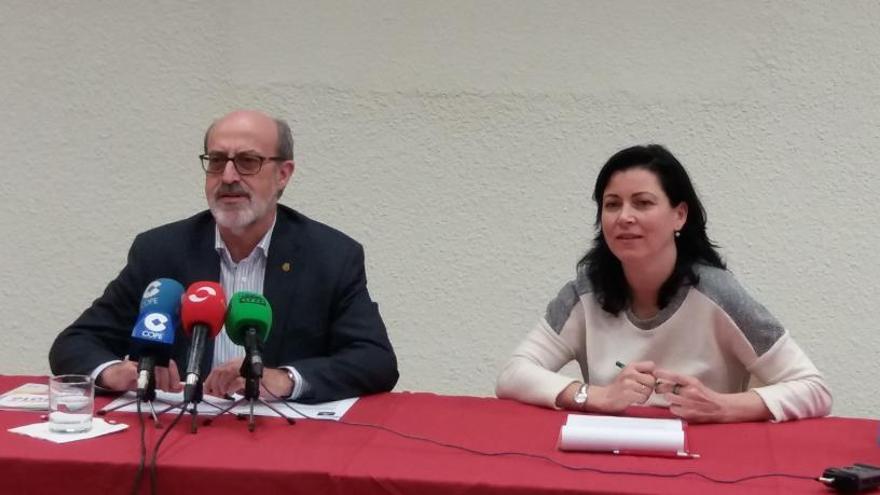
<point>29,397</point>
<point>333,411</point>
<point>616,434</point>
<point>624,422</point>
<point>41,431</point>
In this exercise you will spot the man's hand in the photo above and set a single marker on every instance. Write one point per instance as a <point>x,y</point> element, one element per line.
<point>168,379</point>
<point>119,376</point>
<point>123,376</point>
<point>225,379</point>
<point>277,381</point>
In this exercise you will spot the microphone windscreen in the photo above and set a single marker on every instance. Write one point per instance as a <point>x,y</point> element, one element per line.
<point>248,310</point>
<point>204,303</point>
<point>162,294</point>
<point>158,318</point>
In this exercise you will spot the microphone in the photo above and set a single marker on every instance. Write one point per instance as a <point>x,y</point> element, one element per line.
<point>248,323</point>
<point>153,335</point>
<point>202,311</point>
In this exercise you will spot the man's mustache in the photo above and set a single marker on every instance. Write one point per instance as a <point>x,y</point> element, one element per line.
<point>234,188</point>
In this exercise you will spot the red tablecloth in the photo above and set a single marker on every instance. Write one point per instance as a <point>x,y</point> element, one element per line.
<point>329,457</point>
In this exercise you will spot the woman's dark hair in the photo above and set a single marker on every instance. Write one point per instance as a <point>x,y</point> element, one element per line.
<point>605,271</point>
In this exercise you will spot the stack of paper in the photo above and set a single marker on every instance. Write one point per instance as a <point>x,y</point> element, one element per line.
<point>30,396</point>
<point>623,435</point>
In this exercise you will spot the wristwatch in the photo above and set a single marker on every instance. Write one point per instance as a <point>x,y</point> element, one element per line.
<point>580,397</point>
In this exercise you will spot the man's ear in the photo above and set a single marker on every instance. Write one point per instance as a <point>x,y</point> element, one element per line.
<point>285,172</point>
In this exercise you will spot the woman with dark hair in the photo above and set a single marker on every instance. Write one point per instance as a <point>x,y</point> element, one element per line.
<point>652,292</point>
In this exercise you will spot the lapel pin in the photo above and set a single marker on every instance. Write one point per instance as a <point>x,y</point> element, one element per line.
<point>285,266</point>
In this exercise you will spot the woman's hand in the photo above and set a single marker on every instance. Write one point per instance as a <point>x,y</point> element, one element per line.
<point>633,385</point>
<point>694,402</point>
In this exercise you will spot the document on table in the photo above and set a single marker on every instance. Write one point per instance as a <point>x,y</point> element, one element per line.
<point>29,396</point>
<point>623,435</point>
<point>333,411</point>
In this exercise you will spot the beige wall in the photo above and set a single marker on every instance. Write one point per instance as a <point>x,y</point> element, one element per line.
<point>458,140</point>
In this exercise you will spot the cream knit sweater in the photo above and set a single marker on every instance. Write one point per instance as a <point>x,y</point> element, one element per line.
<point>713,331</point>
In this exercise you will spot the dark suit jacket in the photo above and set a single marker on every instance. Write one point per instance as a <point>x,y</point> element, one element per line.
<point>324,322</point>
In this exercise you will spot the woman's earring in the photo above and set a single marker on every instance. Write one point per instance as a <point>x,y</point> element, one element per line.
<point>677,234</point>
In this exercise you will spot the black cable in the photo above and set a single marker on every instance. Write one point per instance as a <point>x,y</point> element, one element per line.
<point>528,455</point>
<point>576,468</point>
<point>153,470</point>
<point>561,464</point>
<point>139,475</point>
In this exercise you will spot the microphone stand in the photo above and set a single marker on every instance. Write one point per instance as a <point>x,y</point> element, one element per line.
<point>192,392</point>
<point>252,372</point>
<point>192,398</point>
<point>146,390</point>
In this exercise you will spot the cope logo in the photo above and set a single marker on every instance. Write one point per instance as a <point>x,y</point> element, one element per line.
<point>152,290</point>
<point>201,294</point>
<point>154,326</point>
<point>151,294</point>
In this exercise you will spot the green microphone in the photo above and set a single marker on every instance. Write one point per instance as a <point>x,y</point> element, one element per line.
<point>248,322</point>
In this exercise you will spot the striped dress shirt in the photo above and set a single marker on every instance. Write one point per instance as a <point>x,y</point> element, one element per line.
<point>246,275</point>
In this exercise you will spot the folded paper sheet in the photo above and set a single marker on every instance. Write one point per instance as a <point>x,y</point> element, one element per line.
<point>623,435</point>
<point>42,431</point>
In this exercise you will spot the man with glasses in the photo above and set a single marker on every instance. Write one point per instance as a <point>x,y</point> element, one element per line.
<point>327,339</point>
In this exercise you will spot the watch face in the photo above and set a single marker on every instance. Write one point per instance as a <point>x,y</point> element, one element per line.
<point>581,396</point>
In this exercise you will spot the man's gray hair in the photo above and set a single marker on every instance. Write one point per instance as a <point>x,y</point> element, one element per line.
<point>284,150</point>
<point>285,139</point>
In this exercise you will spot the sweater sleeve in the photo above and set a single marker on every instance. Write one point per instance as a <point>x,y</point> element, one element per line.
<point>531,375</point>
<point>794,387</point>
<point>797,389</point>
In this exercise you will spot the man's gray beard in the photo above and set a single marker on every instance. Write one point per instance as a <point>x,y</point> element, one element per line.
<point>234,220</point>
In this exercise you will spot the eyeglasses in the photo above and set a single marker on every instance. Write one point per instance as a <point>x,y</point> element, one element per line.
<point>245,163</point>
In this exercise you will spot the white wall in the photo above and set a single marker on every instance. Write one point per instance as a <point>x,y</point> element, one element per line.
<point>459,141</point>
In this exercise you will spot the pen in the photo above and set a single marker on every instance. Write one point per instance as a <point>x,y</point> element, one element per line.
<point>620,365</point>
<point>684,455</point>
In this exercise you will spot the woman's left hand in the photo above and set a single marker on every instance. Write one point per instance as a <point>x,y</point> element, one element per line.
<point>690,400</point>
<point>694,402</point>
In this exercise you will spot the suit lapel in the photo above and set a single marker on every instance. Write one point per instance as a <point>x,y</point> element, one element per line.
<point>282,276</point>
<point>204,262</point>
